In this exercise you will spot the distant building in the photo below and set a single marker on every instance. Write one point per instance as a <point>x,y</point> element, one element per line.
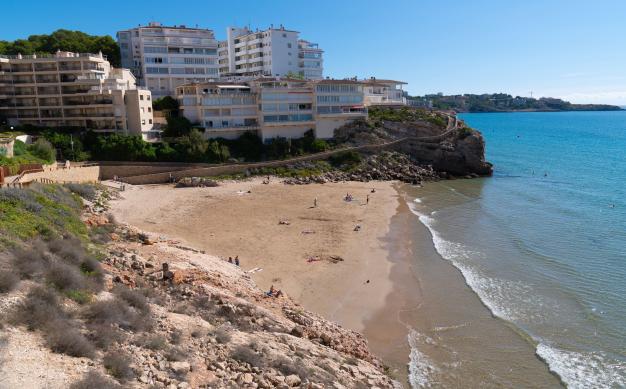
<point>71,89</point>
<point>272,107</point>
<point>164,57</point>
<point>275,52</point>
<point>383,92</point>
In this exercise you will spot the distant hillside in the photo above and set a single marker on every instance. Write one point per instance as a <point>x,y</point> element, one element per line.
<point>64,40</point>
<point>500,102</point>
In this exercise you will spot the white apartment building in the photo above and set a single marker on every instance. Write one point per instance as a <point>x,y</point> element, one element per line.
<point>285,107</point>
<point>310,62</point>
<point>225,110</point>
<point>337,102</point>
<point>272,107</point>
<point>383,92</point>
<point>164,57</point>
<point>275,52</point>
<point>74,90</point>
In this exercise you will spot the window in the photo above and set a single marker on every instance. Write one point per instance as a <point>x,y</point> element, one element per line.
<point>288,45</point>
<point>154,49</point>
<point>148,98</point>
<point>142,108</point>
<point>143,121</point>
<point>141,98</point>
<point>149,109</point>
<point>150,70</point>
<point>156,60</point>
<point>284,35</point>
<point>149,121</point>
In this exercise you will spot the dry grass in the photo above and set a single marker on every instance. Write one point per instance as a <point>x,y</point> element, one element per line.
<point>133,298</point>
<point>117,312</point>
<point>40,307</point>
<point>118,364</point>
<point>63,338</point>
<point>247,355</point>
<point>95,380</point>
<point>8,281</point>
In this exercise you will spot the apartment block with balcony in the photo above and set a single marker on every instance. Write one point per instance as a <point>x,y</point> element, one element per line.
<point>225,110</point>
<point>285,107</point>
<point>275,52</point>
<point>337,102</point>
<point>310,61</point>
<point>71,89</point>
<point>164,57</point>
<point>383,92</point>
<point>272,107</point>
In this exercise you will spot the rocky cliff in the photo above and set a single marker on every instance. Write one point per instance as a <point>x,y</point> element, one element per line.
<point>430,139</point>
<point>136,310</point>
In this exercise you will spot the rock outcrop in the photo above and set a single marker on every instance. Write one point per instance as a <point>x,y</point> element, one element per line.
<point>459,155</point>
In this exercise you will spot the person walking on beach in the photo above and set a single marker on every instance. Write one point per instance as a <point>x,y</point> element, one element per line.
<point>315,202</point>
<point>237,260</point>
<point>367,200</point>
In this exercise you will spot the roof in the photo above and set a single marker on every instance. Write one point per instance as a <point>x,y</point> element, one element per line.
<point>334,81</point>
<point>279,79</point>
<point>219,84</point>
<point>379,81</point>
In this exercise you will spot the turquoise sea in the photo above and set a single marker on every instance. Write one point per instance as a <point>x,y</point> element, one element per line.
<point>543,241</point>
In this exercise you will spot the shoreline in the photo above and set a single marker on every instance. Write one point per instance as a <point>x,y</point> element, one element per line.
<point>380,252</point>
<point>456,328</point>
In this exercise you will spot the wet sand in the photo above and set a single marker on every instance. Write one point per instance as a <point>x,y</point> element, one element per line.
<point>458,342</point>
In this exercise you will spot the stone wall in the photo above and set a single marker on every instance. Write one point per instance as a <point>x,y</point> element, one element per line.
<point>73,174</point>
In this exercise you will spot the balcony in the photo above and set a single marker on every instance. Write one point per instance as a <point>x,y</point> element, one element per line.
<point>70,68</point>
<point>25,80</point>
<point>47,91</point>
<point>41,67</point>
<point>24,92</point>
<point>46,80</point>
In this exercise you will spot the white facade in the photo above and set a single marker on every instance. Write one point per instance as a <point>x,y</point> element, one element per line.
<point>272,107</point>
<point>225,110</point>
<point>163,58</point>
<point>310,62</point>
<point>337,102</point>
<point>383,92</point>
<point>74,90</point>
<point>275,52</point>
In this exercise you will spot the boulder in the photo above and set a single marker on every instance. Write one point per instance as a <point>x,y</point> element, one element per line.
<point>293,380</point>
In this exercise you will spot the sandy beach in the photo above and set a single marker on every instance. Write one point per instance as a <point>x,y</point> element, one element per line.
<point>228,221</point>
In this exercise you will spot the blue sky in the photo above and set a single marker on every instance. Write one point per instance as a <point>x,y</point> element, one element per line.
<point>571,48</point>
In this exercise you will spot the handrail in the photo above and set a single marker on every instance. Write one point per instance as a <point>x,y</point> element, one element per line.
<point>450,128</point>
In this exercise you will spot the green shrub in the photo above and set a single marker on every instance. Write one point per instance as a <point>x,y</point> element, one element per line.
<point>79,296</point>
<point>43,149</point>
<point>349,158</point>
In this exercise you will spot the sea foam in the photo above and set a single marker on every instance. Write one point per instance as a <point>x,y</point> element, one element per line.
<point>583,370</point>
<point>421,368</point>
<point>576,369</point>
